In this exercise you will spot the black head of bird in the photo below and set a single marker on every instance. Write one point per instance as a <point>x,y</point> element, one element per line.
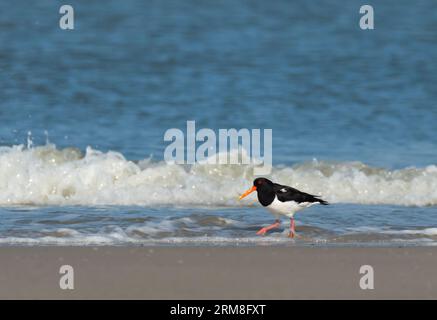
<point>260,185</point>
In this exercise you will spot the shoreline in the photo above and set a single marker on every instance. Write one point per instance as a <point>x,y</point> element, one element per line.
<point>158,272</point>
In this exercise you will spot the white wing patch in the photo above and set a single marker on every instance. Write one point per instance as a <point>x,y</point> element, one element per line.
<point>283,190</point>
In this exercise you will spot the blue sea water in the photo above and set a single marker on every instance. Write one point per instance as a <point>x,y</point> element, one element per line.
<point>363,103</point>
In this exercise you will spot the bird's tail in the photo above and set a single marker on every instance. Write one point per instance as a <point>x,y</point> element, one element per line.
<point>323,202</point>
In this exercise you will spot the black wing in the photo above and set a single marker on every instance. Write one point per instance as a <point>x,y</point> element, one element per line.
<point>285,193</point>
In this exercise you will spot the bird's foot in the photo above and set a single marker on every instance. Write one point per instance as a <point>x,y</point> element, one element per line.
<point>262,231</point>
<point>294,235</point>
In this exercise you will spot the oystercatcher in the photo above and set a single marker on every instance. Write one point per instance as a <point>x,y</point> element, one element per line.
<point>281,200</point>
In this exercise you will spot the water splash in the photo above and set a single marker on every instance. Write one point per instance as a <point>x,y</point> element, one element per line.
<point>45,175</point>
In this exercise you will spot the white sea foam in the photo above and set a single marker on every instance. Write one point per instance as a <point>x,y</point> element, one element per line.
<point>386,230</point>
<point>119,236</point>
<point>426,232</point>
<point>49,176</point>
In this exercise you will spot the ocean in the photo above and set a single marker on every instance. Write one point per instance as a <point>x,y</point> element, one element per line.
<point>83,114</point>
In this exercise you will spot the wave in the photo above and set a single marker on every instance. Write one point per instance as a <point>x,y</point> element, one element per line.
<point>170,233</point>
<point>45,175</point>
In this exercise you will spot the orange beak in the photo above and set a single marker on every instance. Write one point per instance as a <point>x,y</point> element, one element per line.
<point>246,193</point>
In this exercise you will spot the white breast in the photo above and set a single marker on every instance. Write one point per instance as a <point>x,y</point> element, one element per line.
<point>288,208</point>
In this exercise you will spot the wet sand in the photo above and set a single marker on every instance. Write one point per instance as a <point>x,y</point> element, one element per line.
<point>217,272</point>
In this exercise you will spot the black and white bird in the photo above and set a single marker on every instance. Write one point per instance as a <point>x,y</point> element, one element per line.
<point>281,201</point>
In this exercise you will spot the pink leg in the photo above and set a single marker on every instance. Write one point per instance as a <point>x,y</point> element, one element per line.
<point>292,228</point>
<point>263,231</point>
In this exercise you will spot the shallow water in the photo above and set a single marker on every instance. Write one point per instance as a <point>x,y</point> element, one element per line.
<point>133,225</point>
<point>353,115</point>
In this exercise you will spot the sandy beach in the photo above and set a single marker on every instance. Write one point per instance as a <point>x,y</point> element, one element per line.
<point>217,272</point>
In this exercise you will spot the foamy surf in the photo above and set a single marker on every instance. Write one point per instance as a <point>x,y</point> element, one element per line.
<point>46,175</point>
<point>177,232</point>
